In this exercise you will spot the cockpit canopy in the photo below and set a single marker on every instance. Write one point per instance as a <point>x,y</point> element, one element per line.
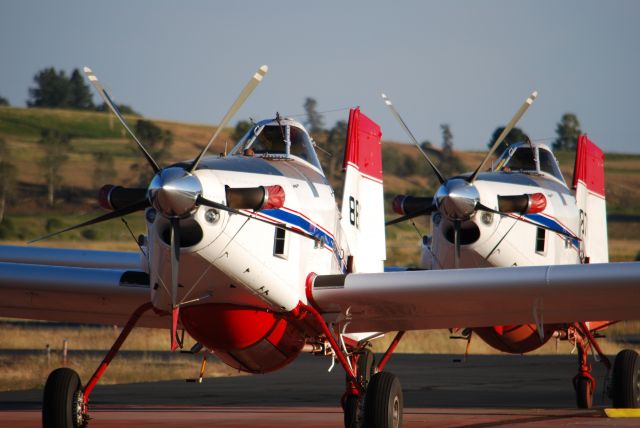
<point>277,139</point>
<point>534,158</point>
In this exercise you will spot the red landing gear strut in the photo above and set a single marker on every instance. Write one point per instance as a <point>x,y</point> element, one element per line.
<point>65,401</point>
<point>584,383</point>
<point>372,397</point>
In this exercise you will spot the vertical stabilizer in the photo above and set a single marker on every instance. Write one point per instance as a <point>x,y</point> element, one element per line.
<point>588,182</point>
<point>362,203</point>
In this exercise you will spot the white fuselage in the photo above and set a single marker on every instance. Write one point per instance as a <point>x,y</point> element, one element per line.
<point>237,260</point>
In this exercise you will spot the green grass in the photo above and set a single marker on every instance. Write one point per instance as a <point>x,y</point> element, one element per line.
<point>25,123</point>
<point>27,227</point>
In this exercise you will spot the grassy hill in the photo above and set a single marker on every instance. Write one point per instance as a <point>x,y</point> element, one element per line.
<point>28,215</point>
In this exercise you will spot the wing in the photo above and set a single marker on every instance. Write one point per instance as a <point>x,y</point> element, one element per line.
<point>101,287</point>
<point>415,300</point>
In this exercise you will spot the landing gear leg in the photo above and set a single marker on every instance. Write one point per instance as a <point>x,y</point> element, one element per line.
<point>65,402</point>
<point>584,383</point>
<point>353,405</point>
<point>383,403</point>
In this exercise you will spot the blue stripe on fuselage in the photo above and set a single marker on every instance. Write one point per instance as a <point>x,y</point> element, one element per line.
<point>546,221</point>
<point>308,227</point>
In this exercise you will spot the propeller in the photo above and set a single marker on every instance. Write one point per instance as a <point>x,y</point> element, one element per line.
<point>404,126</point>
<point>114,108</point>
<point>244,94</point>
<point>516,117</point>
<point>174,191</point>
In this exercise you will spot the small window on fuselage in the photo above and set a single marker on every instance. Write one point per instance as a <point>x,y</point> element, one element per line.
<point>280,243</point>
<point>541,235</point>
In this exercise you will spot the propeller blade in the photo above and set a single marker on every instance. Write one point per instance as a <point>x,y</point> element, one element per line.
<point>174,225</point>
<point>138,206</point>
<point>107,99</point>
<point>456,244</point>
<point>523,108</point>
<point>524,220</point>
<point>387,101</point>
<point>248,89</point>
<point>212,204</point>
<point>174,232</point>
<point>425,211</point>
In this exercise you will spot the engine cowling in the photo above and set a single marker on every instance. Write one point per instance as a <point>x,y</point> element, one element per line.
<point>253,340</point>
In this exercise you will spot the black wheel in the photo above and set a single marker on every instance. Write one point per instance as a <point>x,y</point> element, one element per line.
<point>352,412</point>
<point>626,380</point>
<point>584,392</point>
<point>62,403</point>
<point>383,401</point>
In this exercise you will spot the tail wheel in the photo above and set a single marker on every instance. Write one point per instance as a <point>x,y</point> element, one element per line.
<point>383,401</point>
<point>626,380</point>
<point>584,392</point>
<point>63,401</point>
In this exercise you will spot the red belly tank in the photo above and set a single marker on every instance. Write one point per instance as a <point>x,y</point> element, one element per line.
<point>253,340</point>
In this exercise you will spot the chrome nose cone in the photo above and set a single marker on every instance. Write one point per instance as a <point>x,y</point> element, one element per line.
<point>457,199</point>
<point>174,191</point>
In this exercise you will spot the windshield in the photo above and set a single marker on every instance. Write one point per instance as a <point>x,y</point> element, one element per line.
<point>277,142</point>
<point>271,139</point>
<point>549,164</point>
<point>521,159</point>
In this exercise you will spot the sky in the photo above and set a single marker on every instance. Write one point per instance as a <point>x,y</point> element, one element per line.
<point>469,64</point>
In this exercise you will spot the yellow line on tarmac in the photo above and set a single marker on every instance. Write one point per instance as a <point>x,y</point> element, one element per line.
<point>622,413</point>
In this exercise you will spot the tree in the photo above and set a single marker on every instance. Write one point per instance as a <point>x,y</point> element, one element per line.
<point>55,145</point>
<point>4,102</point>
<point>449,164</point>
<point>79,93</point>
<point>516,135</point>
<point>315,122</point>
<point>335,144</point>
<point>51,89</point>
<point>241,128</point>
<point>8,174</point>
<point>568,131</point>
<point>104,171</point>
<point>158,143</point>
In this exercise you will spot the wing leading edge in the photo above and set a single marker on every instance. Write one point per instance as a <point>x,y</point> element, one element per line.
<point>417,300</point>
<point>73,285</point>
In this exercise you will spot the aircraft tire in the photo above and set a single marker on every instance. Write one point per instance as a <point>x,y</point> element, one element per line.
<point>584,393</point>
<point>60,407</point>
<point>352,412</point>
<point>383,403</point>
<point>626,380</point>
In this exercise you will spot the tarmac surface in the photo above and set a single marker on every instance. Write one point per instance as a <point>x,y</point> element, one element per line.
<point>484,391</point>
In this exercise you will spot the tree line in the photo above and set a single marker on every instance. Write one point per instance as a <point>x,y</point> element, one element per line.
<point>53,89</point>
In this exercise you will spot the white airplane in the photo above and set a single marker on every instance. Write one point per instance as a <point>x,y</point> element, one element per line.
<point>522,213</point>
<point>251,256</point>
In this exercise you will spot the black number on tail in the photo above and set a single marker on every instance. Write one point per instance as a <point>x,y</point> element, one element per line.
<point>354,212</point>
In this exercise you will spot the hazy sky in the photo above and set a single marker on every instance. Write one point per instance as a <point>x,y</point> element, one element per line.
<point>467,63</point>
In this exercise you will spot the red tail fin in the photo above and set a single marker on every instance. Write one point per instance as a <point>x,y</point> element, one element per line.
<point>589,166</point>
